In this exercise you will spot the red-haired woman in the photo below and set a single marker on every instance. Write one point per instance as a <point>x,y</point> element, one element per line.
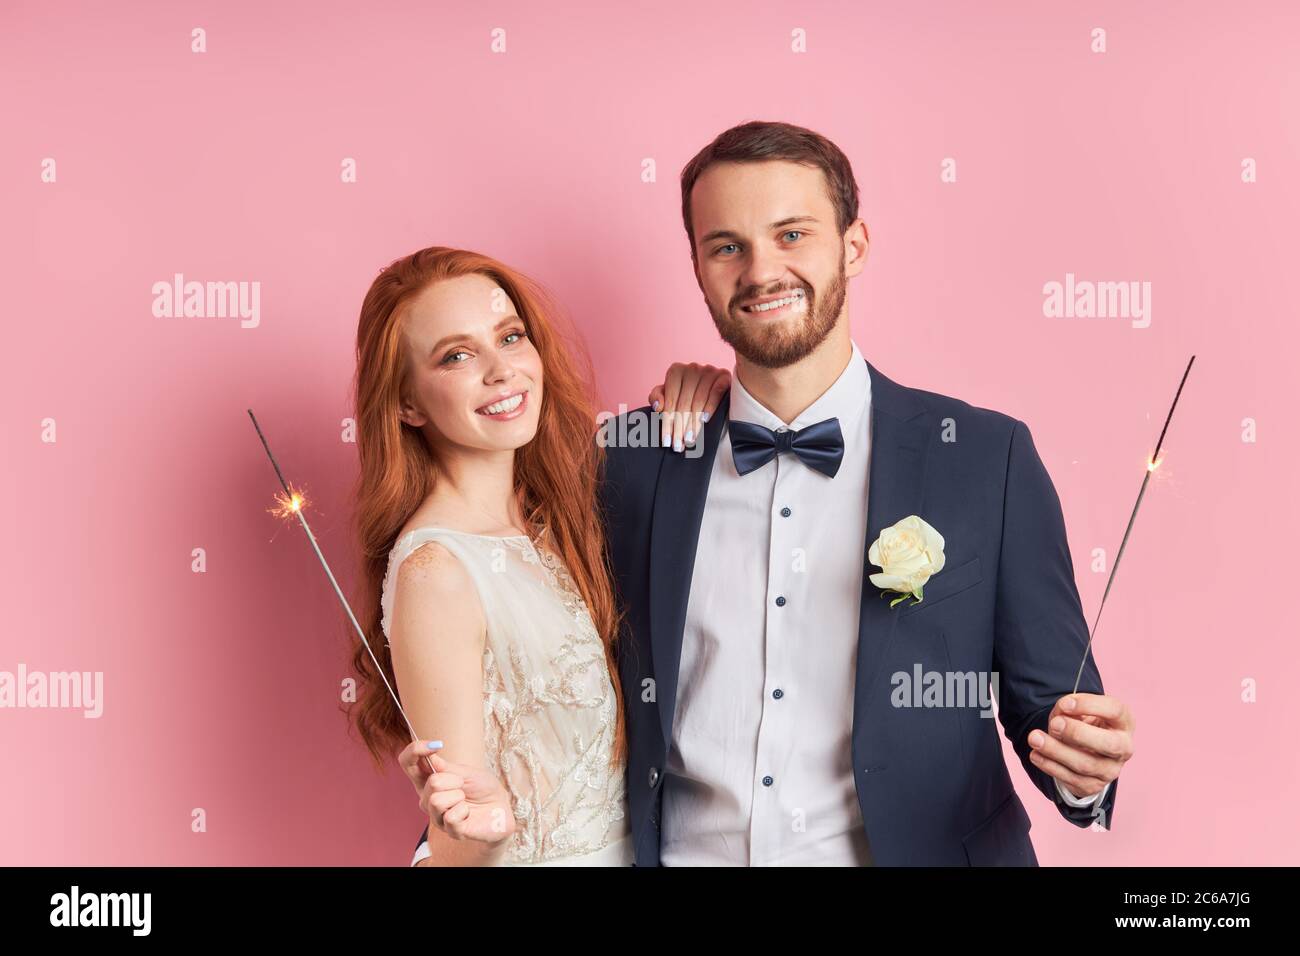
<point>490,603</point>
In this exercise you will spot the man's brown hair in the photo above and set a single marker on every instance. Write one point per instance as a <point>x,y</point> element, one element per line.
<point>759,141</point>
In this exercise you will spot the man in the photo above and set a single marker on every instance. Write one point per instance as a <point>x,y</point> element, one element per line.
<point>761,666</point>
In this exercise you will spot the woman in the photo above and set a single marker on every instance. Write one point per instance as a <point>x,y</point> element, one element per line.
<point>478,520</point>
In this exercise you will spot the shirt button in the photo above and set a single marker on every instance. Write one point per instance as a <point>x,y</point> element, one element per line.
<point>780,602</point>
<point>767,781</point>
<point>785,512</point>
<point>654,776</point>
<point>778,693</point>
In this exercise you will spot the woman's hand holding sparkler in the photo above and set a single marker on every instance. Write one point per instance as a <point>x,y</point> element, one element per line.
<point>466,803</point>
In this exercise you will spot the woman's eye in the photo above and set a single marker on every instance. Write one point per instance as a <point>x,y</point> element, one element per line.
<point>512,337</point>
<point>447,360</point>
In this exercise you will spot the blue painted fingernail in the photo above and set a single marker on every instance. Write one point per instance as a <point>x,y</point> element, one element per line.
<point>677,446</point>
<point>435,744</point>
<point>690,436</point>
<point>656,405</point>
<point>668,441</point>
<point>704,416</point>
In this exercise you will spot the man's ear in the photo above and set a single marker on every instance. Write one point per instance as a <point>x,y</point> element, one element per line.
<point>856,247</point>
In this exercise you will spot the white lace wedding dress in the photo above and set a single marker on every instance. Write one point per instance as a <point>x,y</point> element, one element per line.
<point>548,705</point>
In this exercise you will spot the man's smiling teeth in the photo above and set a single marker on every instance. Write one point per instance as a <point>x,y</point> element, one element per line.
<point>509,405</point>
<point>796,296</point>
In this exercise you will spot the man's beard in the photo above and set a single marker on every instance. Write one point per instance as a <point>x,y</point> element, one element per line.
<point>773,346</point>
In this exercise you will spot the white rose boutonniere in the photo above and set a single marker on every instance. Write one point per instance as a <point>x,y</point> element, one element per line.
<point>908,553</point>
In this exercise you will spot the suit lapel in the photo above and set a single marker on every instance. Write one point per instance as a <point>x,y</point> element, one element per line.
<point>900,443</point>
<point>674,534</point>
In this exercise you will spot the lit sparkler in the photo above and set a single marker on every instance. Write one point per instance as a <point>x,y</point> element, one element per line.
<point>1152,464</point>
<point>291,503</point>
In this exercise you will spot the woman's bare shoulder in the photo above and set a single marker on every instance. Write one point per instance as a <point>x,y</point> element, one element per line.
<point>435,595</point>
<point>432,566</point>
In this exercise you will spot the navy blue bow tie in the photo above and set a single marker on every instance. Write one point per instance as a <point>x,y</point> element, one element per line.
<point>820,445</point>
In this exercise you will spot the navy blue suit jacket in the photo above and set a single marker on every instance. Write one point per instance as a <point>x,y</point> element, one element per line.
<point>932,785</point>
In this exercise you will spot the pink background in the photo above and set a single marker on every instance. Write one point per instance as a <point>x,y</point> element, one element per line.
<point>221,689</point>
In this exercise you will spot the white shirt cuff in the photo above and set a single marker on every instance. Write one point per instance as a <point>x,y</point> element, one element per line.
<point>420,853</point>
<point>1074,801</point>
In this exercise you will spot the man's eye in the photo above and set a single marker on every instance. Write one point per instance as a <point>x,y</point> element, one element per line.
<point>727,246</point>
<point>447,360</point>
<point>794,232</point>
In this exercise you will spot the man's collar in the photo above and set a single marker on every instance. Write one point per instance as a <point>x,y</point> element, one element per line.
<point>848,396</point>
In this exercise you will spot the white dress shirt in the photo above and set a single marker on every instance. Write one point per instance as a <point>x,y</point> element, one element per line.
<point>760,769</point>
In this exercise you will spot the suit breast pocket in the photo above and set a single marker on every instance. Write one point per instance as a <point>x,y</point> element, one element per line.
<point>947,583</point>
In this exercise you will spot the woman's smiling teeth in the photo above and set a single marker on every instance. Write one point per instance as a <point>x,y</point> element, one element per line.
<point>503,407</point>
<point>795,298</point>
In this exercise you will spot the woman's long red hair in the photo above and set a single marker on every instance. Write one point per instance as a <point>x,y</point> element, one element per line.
<point>556,473</point>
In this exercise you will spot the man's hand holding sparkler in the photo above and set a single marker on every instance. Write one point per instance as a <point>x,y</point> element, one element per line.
<point>1089,739</point>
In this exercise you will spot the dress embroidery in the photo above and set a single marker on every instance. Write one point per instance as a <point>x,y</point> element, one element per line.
<point>549,711</point>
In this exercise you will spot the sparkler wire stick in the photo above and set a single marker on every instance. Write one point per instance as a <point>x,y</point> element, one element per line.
<point>294,504</point>
<point>1152,464</point>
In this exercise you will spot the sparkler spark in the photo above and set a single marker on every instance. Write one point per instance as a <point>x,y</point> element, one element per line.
<point>1152,464</point>
<point>288,504</point>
